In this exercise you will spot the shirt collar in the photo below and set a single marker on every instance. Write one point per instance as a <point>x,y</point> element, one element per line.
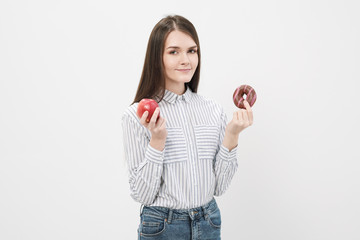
<point>172,97</point>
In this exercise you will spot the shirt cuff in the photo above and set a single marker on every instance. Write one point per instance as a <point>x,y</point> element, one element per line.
<point>154,155</point>
<point>226,154</point>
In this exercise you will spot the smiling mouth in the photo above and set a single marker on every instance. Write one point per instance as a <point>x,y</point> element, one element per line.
<point>183,70</point>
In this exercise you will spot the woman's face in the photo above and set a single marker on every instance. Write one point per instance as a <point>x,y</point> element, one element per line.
<point>180,60</point>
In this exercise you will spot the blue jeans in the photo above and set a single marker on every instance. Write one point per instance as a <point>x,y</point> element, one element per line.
<point>179,224</point>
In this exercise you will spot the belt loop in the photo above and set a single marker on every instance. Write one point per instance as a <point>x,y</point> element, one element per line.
<point>141,208</point>
<point>170,216</point>
<point>205,211</point>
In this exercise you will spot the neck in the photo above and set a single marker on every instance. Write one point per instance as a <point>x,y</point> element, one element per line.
<point>179,90</point>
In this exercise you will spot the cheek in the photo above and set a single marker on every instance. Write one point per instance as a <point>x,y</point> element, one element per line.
<point>169,63</point>
<point>194,60</point>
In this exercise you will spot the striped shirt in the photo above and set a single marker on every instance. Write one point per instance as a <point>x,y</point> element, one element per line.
<point>194,165</point>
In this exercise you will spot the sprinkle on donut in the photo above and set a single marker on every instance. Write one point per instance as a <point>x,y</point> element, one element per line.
<point>239,93</point>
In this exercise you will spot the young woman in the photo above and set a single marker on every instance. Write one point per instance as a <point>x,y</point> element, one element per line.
<point>180,161</point>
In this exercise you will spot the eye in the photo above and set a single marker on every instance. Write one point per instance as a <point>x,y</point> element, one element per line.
<point>173,52</point>
<point>193,51</point>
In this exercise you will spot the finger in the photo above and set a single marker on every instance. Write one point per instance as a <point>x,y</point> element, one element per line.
<point>249,112</point>
<point>247,105</point>
<point>251,118</point>
<point>245,116</point>
<point>239,114</point>
<point>159,121</point>
<point>163,122</point>
<point>155,115</point>
<point>143,118</point>
<point>236,116</point>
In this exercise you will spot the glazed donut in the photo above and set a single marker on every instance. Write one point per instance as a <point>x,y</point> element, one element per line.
<point>239,96</point>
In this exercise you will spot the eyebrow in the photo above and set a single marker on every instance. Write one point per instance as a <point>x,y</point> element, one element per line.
<point>176,47</point>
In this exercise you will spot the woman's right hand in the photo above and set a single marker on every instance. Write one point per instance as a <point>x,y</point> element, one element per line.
<point>157,129</point>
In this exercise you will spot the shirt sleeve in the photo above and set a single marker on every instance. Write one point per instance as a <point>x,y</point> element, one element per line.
<point>225,164</point>
<point>145,163</point>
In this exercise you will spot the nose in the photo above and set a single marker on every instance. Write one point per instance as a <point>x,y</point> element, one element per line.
<point>184,59</point>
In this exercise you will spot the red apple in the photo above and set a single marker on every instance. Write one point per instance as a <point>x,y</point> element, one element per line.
<point>147,105</point>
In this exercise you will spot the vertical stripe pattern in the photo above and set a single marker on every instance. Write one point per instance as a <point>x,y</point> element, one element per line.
<point>194,165</point>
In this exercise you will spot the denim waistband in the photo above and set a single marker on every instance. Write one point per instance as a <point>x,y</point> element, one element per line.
<point>170,214</point>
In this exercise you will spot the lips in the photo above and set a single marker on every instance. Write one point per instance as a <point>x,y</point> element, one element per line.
<point>183,70</point>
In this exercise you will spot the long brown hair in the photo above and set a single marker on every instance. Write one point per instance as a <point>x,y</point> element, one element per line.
<point>152,81</point>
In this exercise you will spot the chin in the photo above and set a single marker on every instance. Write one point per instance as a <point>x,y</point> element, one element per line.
<point>182,80</point>
<point>185,80</point>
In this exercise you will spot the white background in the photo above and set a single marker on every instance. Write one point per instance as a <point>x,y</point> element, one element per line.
<point>68,70</point>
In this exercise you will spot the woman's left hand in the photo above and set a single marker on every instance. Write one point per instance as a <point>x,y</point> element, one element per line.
<point>241,120</point>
